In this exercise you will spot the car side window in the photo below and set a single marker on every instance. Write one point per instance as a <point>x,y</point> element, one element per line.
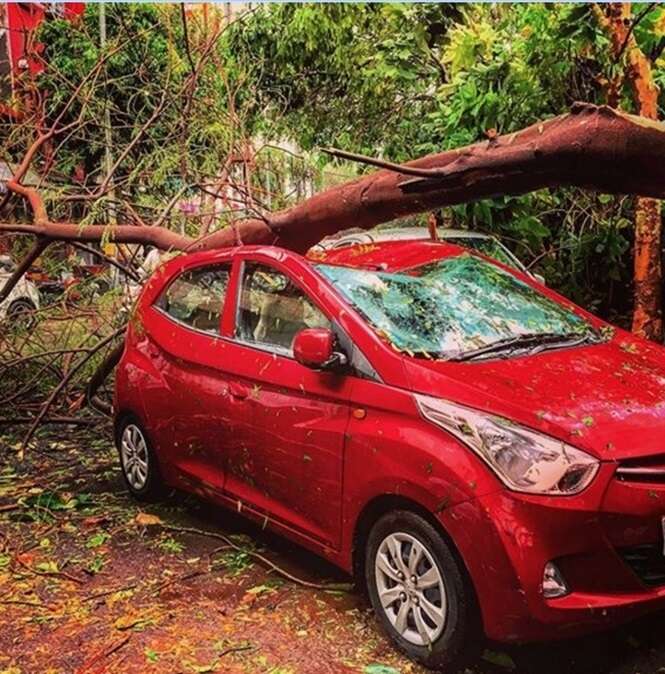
<point>272,309</point>
<point>196,297</point>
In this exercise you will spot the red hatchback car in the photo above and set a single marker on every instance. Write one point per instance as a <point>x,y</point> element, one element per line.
<point>477,450</point>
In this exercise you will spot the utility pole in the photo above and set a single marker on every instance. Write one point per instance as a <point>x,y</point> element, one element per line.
<point>108,156</point>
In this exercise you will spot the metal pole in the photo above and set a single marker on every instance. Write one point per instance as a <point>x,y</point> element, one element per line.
<point>108,156</point>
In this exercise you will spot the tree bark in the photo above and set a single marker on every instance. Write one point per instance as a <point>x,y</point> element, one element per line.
<point>593,147</point>
<point>648,277</point>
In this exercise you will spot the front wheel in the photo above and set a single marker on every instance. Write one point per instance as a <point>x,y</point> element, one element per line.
<point>138,461</point>
<point>419,592</point>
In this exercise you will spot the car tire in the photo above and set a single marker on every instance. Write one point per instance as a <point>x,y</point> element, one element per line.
<point>22,310</point>
<point>138,461</point>
<point>424,602</point>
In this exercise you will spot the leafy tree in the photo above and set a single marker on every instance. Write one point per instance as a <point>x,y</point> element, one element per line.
<point>404,80</point>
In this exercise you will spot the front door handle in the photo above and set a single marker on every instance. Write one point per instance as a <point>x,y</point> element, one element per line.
<point>238,391</point>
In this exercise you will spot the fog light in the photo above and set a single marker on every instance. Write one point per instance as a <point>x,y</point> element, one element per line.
<point>553,583</point>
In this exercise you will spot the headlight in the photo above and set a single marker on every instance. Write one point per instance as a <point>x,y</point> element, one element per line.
<point>524,460</point>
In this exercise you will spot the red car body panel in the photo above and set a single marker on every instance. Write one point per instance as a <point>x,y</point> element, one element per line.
<point>308,453</point>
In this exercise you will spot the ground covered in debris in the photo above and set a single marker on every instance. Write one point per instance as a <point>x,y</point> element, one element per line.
<point>91,582</point>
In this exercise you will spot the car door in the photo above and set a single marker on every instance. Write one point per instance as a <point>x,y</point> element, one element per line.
<point>289,462</point>
<point>189,421</point>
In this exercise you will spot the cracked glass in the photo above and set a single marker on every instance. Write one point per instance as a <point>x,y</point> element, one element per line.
<point>452,306</point>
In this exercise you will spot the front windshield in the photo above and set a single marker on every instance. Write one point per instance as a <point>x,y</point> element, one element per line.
<point>452,306</point>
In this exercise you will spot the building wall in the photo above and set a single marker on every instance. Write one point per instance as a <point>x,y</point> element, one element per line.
<point>5,82</point>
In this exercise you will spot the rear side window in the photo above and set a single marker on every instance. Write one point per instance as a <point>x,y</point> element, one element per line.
<point>196,297</point>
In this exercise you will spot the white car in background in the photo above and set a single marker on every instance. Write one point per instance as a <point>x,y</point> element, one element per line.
<point>23,300</point>
<point>483,243</point>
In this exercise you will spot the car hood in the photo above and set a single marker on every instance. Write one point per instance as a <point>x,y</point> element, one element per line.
<point>607,398</point>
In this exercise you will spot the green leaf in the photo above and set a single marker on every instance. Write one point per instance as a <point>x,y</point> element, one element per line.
<point>97,540</point>
<point>499,659</point>
<point>380,669</point>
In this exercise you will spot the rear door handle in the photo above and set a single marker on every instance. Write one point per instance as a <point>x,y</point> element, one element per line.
<point>238,391</point>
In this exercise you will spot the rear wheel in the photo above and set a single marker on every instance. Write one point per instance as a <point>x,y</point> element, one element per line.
<point>138,461</point>
<point>418,590</point>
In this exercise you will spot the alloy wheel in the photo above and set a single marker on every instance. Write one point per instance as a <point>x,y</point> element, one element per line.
<point>410,588</point>
<point>134,456</point>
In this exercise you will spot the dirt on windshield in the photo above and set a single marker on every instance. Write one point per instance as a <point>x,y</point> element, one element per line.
<point>91,582</point>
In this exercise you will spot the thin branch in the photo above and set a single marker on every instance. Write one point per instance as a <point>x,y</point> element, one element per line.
<point>63,383</point>
<point>113,262</point>
<point>633,25</point>
<point>382,163</point>
<point>99,377</point>
<point>261,558</point>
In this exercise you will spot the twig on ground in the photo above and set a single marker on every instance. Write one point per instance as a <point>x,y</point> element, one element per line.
<point>106,593</point>
<point>264,560</point>
<point>104,652</point>
<point>53,574</point>
<point>21,602</point>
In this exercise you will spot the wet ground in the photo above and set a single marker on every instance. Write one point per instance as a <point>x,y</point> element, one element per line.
<point>90,582</point>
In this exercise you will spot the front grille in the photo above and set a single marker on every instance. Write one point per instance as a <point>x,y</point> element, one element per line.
<point>647,561</point>
<point>650,469</point>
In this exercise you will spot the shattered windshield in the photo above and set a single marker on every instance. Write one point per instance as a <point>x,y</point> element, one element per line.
<point>454,306</point>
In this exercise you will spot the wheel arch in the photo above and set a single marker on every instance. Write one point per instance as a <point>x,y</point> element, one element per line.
<point>123,414</point>
<point>385,503</point>
<point>23,299</point>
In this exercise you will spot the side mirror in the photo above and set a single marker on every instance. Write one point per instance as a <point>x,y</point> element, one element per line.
<point>314,347</point>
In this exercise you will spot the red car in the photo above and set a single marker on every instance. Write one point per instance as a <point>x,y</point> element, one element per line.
<point>480,452</point>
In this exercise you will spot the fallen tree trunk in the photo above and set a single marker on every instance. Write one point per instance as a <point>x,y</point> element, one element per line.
<point>593,147</point>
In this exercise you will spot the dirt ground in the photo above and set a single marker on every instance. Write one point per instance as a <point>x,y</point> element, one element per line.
<point>90,582</point>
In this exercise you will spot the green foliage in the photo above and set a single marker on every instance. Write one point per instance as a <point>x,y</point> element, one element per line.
<point>170,545</point>
<point>97,540</point>
<point>405,80</point>
<point>396,80</point>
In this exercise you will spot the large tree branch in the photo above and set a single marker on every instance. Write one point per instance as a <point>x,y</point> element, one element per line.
<point>591,147</point>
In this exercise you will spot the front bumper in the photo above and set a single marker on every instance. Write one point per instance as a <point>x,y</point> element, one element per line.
<point>607,543</point>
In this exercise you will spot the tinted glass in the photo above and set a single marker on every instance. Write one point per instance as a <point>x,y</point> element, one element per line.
<point>196,297</point>
<point>451,306</point>
<point>273,309</point>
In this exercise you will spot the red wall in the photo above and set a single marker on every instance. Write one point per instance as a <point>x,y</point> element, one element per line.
<point>24,17</point>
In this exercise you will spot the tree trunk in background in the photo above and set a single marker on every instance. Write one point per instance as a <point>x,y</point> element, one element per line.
<point>648,278</point>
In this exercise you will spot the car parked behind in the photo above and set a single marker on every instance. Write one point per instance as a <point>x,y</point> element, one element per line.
<point>486,244</point>
<point>23,300</point>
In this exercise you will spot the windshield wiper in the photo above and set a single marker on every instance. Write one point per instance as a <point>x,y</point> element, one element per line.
<point>539,342</point>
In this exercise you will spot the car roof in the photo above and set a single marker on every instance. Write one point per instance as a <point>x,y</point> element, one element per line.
<point>396,233</point>
<point>387,255</point>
